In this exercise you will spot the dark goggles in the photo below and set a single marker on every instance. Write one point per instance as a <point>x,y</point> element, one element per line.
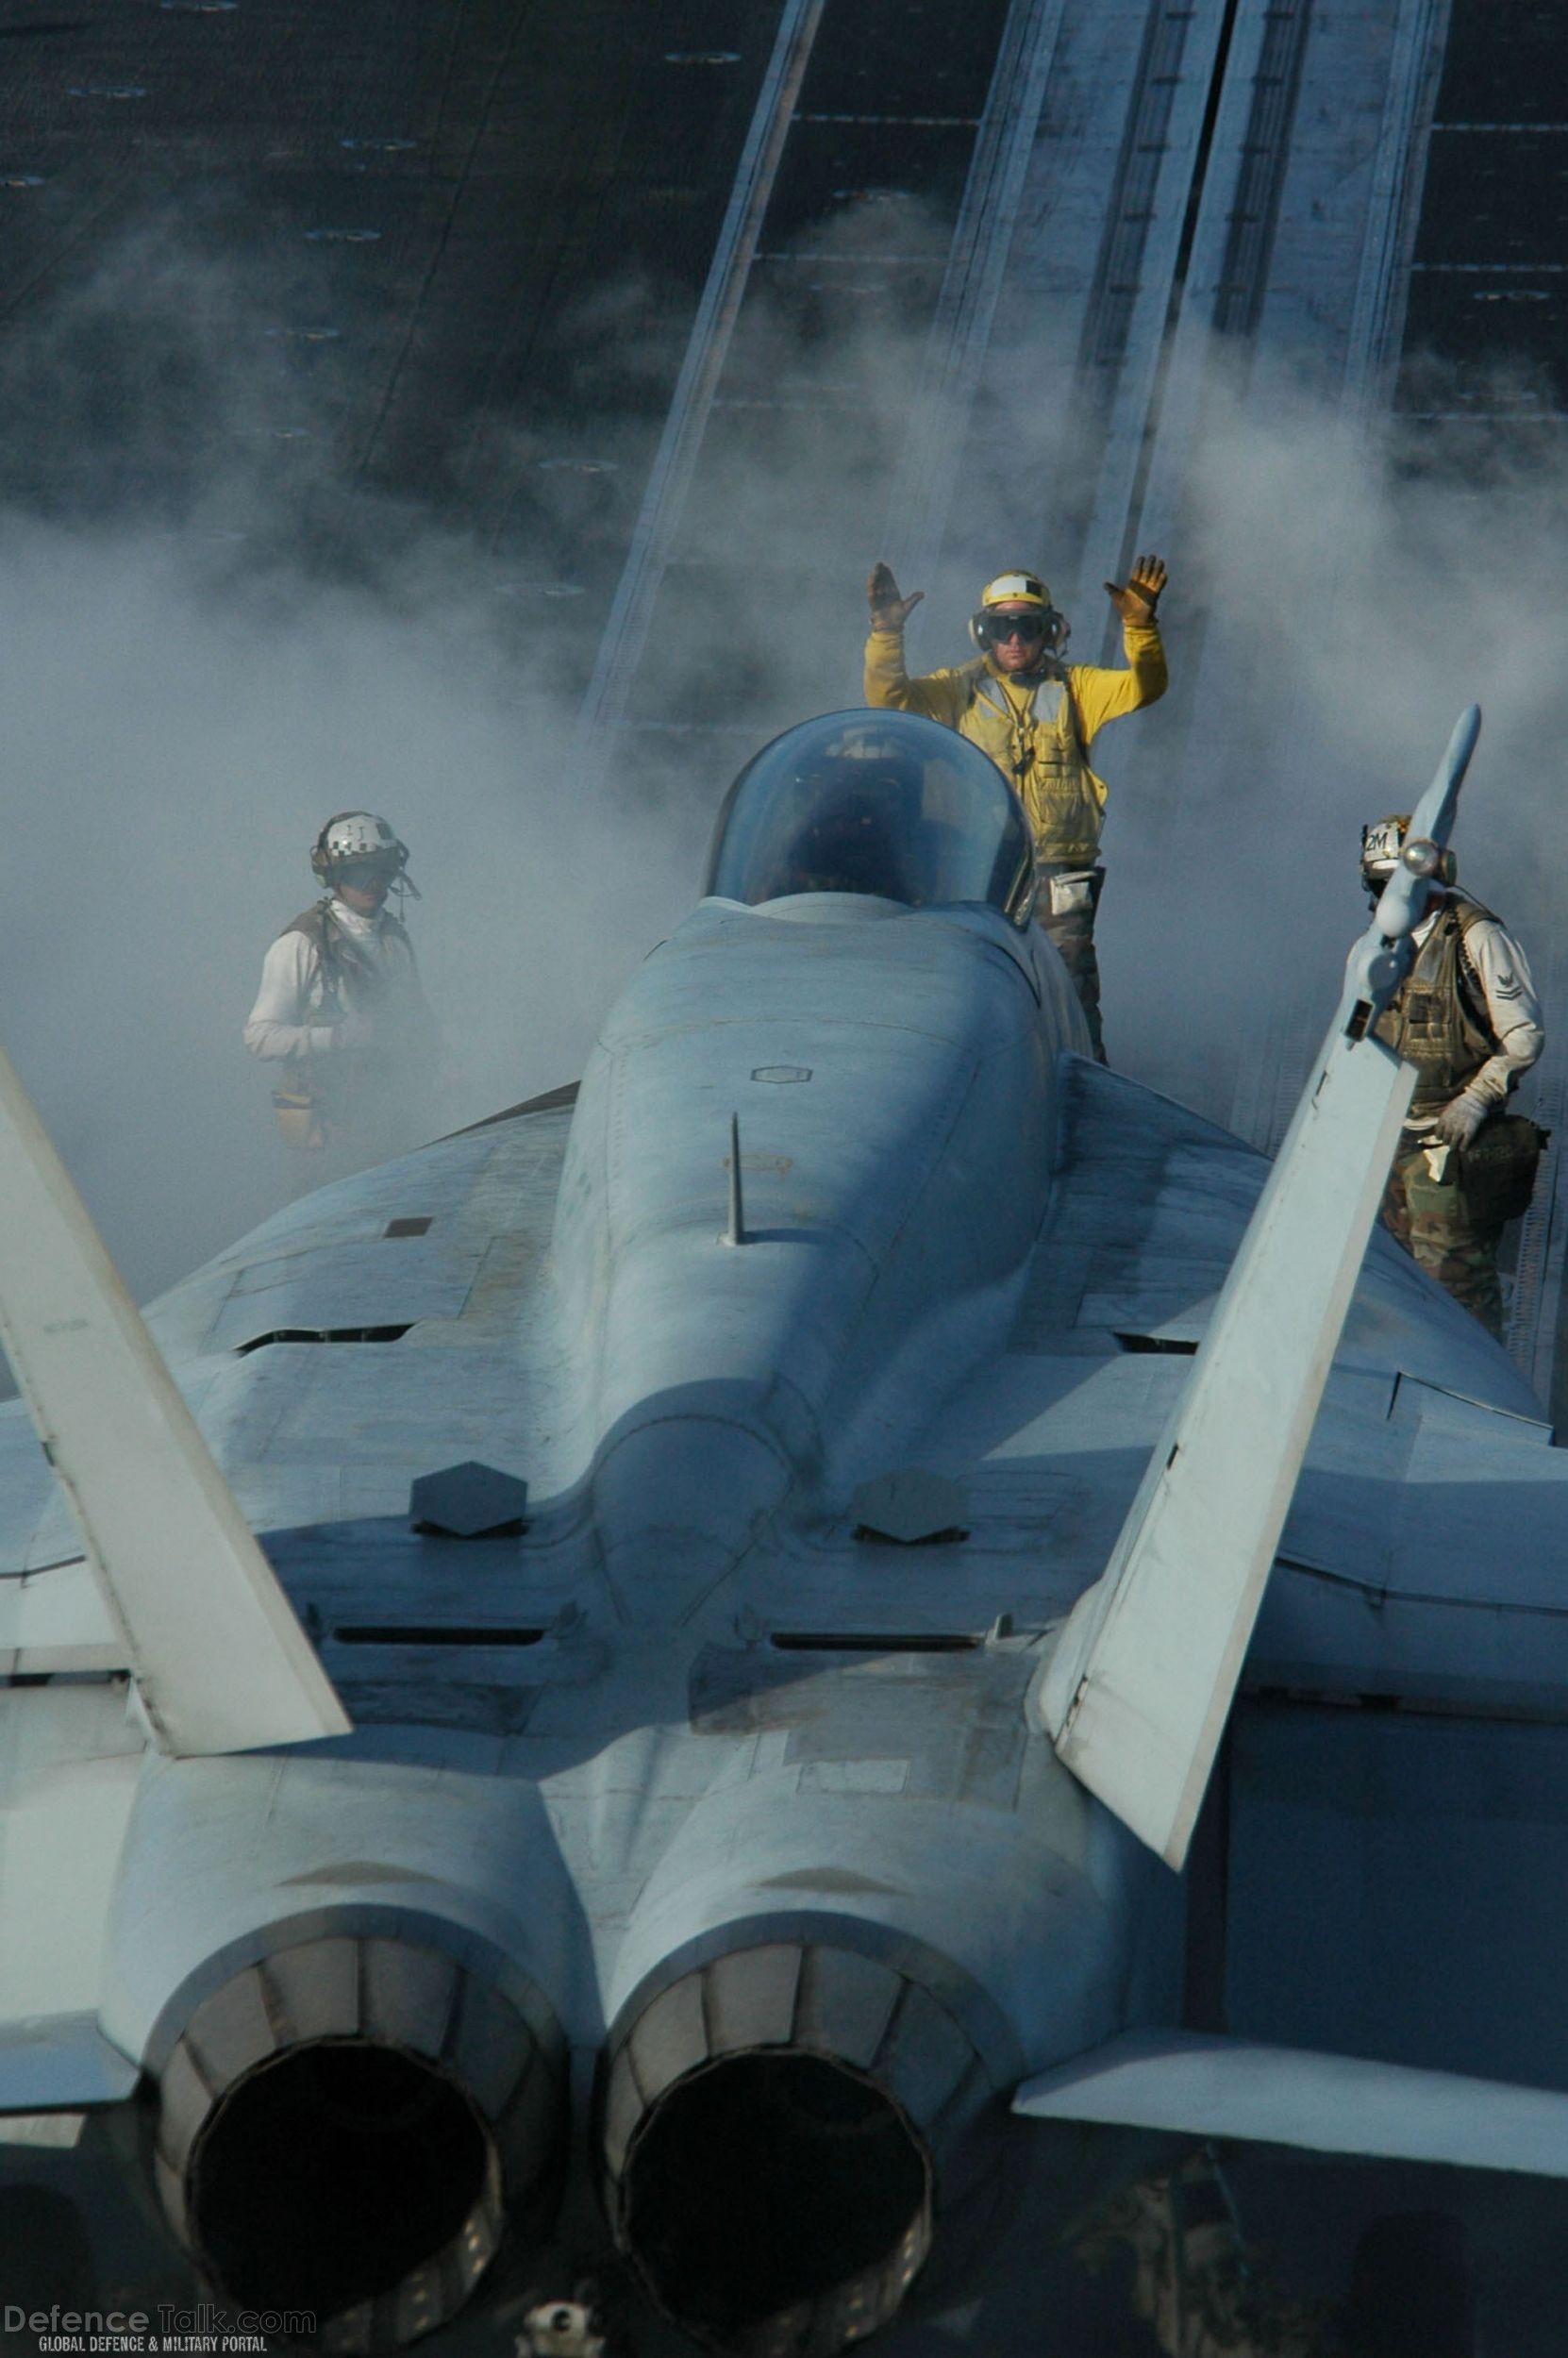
<point>999,628</point>
<point>365,872</point>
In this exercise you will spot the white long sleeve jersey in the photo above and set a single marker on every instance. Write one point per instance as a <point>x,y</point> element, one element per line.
<point>1512,1008</point>
<point>286,1019</point>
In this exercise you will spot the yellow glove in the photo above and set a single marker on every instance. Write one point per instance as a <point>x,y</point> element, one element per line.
<point>889,612</point>
<point>1137,601</point>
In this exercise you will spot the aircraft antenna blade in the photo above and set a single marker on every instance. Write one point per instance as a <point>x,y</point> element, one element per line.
<point>1137,1693</point>
<point>220,1662</point>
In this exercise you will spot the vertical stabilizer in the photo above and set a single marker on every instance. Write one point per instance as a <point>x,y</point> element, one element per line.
<point>1138,1689</point>
<point>220,1661</point>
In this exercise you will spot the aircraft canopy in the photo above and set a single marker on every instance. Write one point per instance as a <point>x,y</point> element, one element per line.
<point>884,803</point>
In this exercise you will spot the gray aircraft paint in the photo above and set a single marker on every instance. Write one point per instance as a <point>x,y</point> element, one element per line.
<point>688,1770</point>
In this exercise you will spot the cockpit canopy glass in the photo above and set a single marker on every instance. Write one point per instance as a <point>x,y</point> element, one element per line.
<point>873,802</point>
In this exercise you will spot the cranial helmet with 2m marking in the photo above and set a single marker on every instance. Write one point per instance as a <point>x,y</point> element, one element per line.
<point>1381,845</point>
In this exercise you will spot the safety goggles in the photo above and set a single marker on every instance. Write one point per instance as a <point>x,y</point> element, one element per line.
<point>1000,627</point>
<point>362,873</point>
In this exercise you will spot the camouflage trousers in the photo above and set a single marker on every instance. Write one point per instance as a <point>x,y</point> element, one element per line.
<point>1433,1219</point>
<point>1194,2283</point>
<point>1072,931</point>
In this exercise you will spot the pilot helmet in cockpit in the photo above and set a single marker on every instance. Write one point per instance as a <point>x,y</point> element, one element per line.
<point>886,805</point>
<point>858,819</point>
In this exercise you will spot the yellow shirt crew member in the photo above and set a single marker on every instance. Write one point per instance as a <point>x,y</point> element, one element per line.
<point>1037,717</point>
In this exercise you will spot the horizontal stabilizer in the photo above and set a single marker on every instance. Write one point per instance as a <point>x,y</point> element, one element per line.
<point>1200,2087</point>
<point>1137,1694</point>
<point>60,2063</point>
<point>221,1664</point>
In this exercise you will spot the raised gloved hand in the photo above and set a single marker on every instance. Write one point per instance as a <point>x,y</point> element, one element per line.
<point>1137,601</point>
<point>889,612</point>
<point>1461,1118</point>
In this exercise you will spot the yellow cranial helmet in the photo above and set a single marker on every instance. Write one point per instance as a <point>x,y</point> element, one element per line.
<point>1015,589</point>
<point>1019,593</point>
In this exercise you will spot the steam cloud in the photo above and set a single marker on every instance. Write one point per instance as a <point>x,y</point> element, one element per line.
<point>1355,590</point>
<point>189,689</point>
<point>188,695</point>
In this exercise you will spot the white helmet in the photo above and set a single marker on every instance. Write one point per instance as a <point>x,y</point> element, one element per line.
<point>1383,850</point>
<point>352,837</point>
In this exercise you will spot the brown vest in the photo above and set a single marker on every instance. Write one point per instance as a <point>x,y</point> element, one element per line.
<point>1438,1019</point>
<point>342,967</point>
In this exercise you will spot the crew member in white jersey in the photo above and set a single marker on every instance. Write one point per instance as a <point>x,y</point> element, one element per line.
<point>341,1017</point>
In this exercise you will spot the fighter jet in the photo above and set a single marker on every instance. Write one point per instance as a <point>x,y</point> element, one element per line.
<point>658,1663</point>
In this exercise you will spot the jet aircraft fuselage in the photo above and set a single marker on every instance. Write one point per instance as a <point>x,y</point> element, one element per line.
<point>700,1836</point>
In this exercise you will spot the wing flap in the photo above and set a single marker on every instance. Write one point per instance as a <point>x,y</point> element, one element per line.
<point>60,2063</point>
<point>1200,2087</point>
<point>56,1620</point>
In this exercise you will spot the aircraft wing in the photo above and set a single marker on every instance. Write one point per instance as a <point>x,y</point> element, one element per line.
<point>1194,2086</point>
<point>297,1428</point>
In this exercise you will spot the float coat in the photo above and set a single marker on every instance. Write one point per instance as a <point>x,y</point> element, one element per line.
<point>1039,733</point>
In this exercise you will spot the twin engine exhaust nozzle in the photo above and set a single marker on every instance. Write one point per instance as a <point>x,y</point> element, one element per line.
<point>345,2128</point>
<point>348,2126</point>
<point>784,2134</point>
